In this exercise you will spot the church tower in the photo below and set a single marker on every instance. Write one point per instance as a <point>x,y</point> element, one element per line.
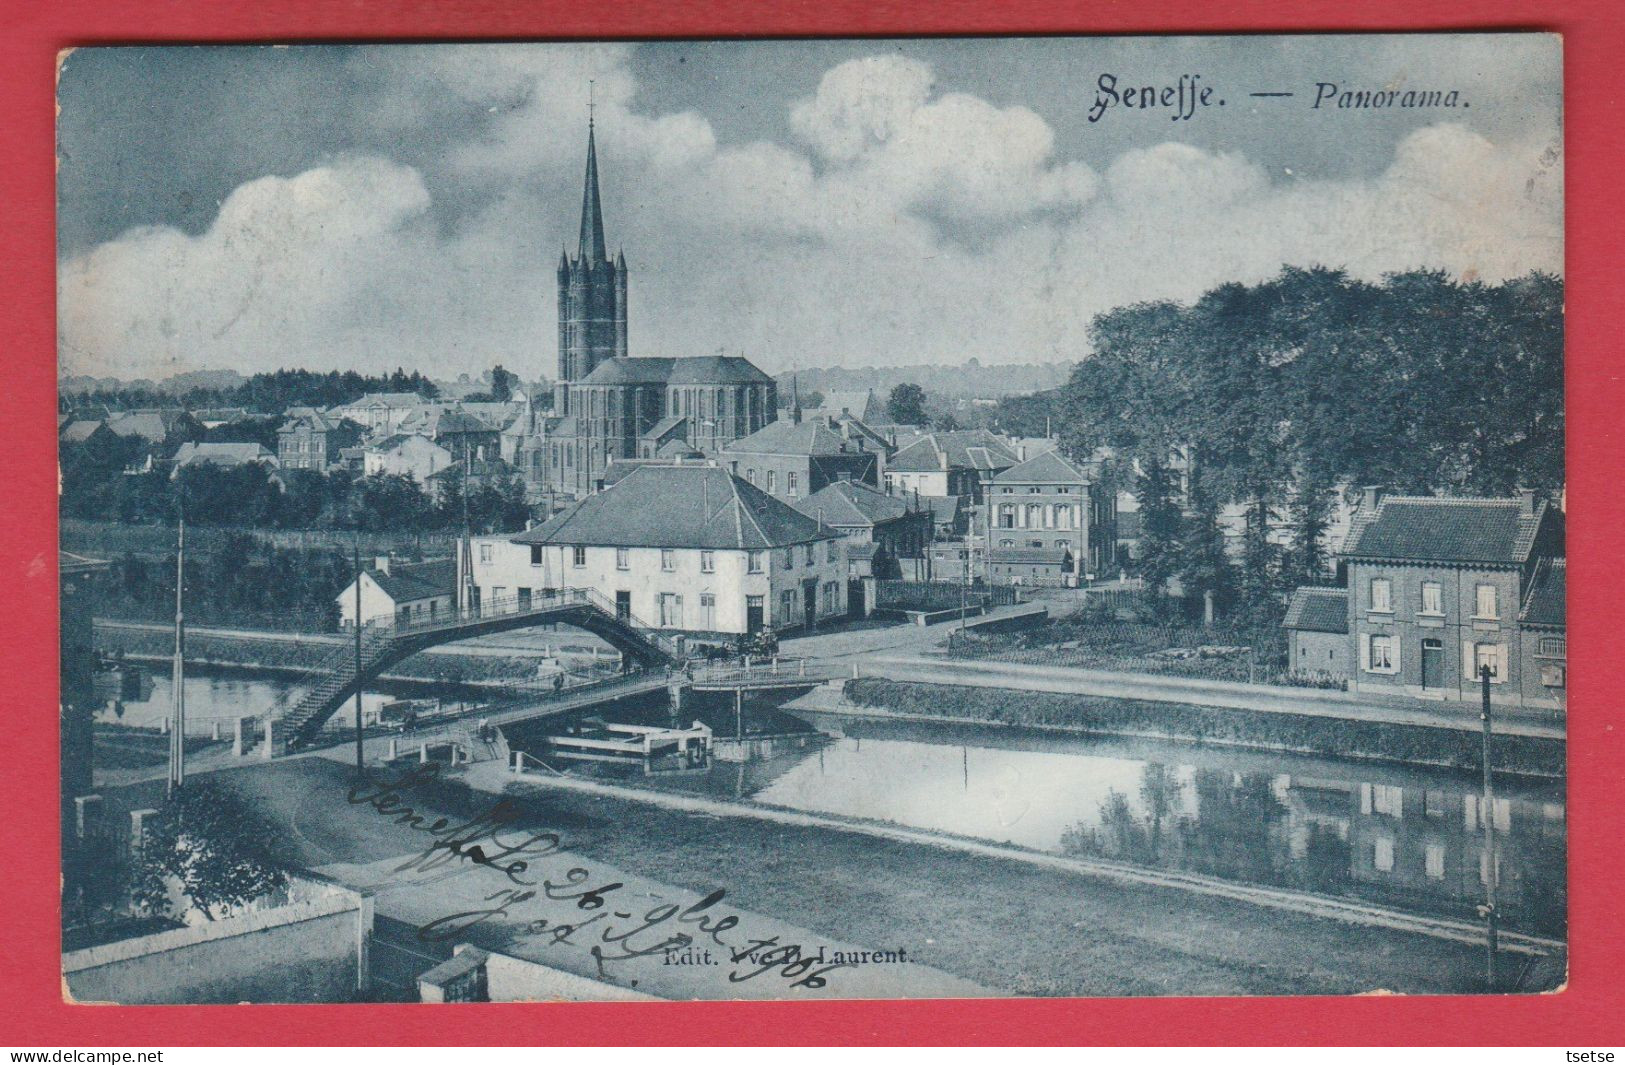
<point>592,294</point>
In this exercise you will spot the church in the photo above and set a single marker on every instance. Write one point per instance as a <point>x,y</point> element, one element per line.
<point>609,405</point>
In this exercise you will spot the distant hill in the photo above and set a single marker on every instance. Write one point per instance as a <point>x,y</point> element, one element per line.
<point>971,380</point>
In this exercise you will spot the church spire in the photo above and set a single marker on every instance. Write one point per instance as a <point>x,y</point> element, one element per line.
<point>593,246</point>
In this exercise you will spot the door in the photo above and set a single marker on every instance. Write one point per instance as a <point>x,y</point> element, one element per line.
<point>753,613</point>
<point>623,606</point>
<point>854,598</point>
<point>809,602</point>
<point>1432,664</point>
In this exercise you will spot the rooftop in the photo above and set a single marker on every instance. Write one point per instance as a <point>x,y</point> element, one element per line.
<point>1547,601</point>
<point>807,437</point>
<point>1318,610</point>
<point>852,504</point>
<point>1438,529</point>
<point>408,581</point>
<point>1048,467</point>
<point>975,449</point>
<point>701,370</point>
<point>679,506</point>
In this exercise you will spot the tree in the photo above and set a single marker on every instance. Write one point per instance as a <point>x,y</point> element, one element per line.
<point>1161,530</point>
<point>213,846</point>
<point>503,383</point>
<point>906,405</point>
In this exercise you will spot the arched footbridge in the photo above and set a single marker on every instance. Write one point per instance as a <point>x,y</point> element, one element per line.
<point>387,641</point>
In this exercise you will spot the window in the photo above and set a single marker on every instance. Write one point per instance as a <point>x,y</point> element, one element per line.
<point>1381,652</point>
<point>1432,598</point>
<point>790,558</point>
<point>750,474</point>
<point>668,559</point>
<point>790,482</point>
<point>1435,861</point>
<point>623,558</point>
<point>578,556</point>
<point>1388,799</point>
<point>830,549</point>
<point>1382,856</point>
<point>485,552</point>
<point>1382,595</point>
<point>708,561</point>
<point>1553,647</point>
<point>1487,654</point>
<point>772,480</point>
<point>708,611</point>
<point>671,610</point>
<point>1484,603</point>
<point>1004,543</point>
<point>753,562</point>
<point>535,554</point>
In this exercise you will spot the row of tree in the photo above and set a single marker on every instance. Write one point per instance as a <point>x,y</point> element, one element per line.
<point>1279,393</point>
<point>268,393</point>
<point>97,486</point>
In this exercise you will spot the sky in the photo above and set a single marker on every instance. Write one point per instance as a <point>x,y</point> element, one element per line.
<point>803,203</point>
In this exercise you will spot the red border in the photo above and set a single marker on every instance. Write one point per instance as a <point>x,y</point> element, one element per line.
<point>30,1005</point>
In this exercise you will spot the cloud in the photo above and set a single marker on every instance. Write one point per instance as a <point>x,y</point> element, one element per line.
<point>894,223</point>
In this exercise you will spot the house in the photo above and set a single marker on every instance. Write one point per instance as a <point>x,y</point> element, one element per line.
<point>792,458</point>
<point>157,426</point>
<point>225,455</point>
<point>865,406</point>
<point>215,417</point>
<point>404,455</point>
<point>482,473</point>
<point>1439,589</point>
<point>381,413</point>
<point>1317,627</point>
<point>1051,504</point>
<point>402,591</point>
<point>312,440</point>
<point>880,530</point>
<point>466,435</point>
<point>683,547</point>
<point>87,433</point>
<point>958,463</point>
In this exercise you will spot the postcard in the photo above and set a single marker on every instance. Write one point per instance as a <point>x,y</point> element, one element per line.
<point>814,519</point>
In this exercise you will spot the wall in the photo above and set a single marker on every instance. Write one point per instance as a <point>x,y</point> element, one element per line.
<point>311,951</point>
<point>1319,652</point>
<point>510,568</point>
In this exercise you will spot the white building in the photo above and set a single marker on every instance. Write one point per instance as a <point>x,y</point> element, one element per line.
<point>688,548</point>
<point>416,457</point>
<point>405,592</point>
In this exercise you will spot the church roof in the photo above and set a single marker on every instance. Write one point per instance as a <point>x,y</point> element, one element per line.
<point>702,370</point>
<point>680,507</point>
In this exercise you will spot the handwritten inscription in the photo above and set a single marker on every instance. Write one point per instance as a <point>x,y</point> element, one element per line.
<point>612,932</point>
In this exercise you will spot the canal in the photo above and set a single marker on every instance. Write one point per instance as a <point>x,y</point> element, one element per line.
<point>1409,837</point>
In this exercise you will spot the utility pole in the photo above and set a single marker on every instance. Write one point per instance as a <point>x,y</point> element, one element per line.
<point>1491,873</point>
<point>177,730</point>
<point>360,761</point>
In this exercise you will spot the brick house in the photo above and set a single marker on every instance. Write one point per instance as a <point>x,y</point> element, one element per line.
<point>311,440</point>
<point>1052,505</point>
<point>1317,626</point>
<point>1438,588</point>
<point>792,458</point>
<point>881,531</point>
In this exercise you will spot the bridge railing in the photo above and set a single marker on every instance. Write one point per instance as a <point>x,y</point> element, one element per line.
<point>753,670</point>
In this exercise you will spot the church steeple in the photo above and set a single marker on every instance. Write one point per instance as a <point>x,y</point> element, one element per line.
<point>593,246</point>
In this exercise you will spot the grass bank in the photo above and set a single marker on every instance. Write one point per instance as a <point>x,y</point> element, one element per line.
<point>1329,737</point>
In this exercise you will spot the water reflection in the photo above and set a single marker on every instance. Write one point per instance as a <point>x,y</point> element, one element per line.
<point>1411,838</point>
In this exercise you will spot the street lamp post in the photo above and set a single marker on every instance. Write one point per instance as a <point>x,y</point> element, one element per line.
<point>1487,815</point>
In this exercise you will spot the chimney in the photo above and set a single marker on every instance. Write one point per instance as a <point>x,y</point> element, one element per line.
<point>942,458</point>
<point>1526,502</point>
<point>1370,496</point>
<point>381,564</point>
